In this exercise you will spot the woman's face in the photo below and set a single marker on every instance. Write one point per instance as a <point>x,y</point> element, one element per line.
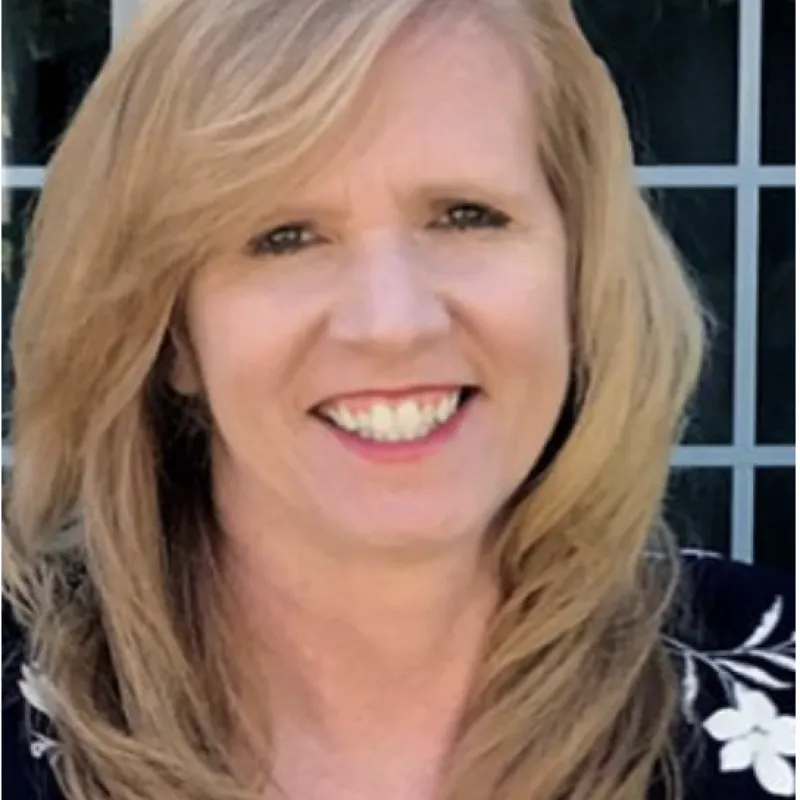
<point>427,255</point>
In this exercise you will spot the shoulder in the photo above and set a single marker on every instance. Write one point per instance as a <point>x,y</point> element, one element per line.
<point>28,745</point>
<point>733,640</point>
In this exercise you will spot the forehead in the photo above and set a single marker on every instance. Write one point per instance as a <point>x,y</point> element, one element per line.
<point>447,101</point>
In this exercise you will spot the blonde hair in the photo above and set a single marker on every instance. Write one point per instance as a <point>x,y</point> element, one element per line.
<point>111,548</point>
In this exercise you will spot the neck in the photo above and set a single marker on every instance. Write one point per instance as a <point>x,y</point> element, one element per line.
<point>360,644</point>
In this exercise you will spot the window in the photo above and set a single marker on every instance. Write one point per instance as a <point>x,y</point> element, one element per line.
<point>52,50</point>
<point>691,74</point>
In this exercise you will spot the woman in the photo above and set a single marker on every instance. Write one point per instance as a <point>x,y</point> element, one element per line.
<point>349,363</point>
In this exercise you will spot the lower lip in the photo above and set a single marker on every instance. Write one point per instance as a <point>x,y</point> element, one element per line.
<point>403,452</point>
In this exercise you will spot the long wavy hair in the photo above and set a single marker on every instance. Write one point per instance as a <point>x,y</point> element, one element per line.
<point>112,551</point>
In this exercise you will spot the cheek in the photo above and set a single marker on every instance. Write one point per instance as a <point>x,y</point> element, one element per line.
<point>523,313</point>
<point>243,341</point>
<point>533,358</point>
<point>538,356</point>
<point>529,354</point>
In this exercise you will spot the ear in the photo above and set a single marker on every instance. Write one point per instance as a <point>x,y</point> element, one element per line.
<point>184,374</point>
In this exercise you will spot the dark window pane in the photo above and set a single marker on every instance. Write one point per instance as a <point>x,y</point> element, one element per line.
<point>776,318</point>
<point>52,50</point>
<point>698,507</point>
<point>775,519</point>
<point>778,82</point>
<point>17,207</point>
<point>702,224</point>
<point>675,64</point>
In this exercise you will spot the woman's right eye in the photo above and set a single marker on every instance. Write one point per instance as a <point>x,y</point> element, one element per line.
<point>283,240</point>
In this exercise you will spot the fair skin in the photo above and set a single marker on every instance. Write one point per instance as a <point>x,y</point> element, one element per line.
<point>362,575</point>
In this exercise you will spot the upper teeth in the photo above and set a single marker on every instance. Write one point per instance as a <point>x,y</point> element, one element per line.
<point>388,422</point>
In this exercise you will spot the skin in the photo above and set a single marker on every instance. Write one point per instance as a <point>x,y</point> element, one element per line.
<point>364,582</point>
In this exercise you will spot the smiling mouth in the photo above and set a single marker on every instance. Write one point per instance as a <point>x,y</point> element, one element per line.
<point>394,421</point>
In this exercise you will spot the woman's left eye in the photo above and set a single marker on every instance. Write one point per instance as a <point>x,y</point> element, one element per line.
<point>464,216</point>
<point>283,240</point>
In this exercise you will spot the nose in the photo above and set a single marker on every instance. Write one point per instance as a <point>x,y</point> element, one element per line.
<point>388,301</point>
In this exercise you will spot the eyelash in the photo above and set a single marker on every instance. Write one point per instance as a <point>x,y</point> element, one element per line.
<point>478,217</point>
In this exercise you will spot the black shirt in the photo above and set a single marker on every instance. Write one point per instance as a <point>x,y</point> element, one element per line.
<point>737,691</point>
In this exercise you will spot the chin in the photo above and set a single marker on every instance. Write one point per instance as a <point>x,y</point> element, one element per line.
<point>405,530</point>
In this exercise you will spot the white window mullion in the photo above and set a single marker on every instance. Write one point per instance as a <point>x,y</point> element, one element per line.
<point>746,283</point>
<point>727,456</point>
<point>704,176</point>
<point>122,12</point>
<point>23,177</point>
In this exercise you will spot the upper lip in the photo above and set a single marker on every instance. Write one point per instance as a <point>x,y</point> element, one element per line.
<point>394,393</point>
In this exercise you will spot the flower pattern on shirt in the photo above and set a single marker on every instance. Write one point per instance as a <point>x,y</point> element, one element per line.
<point>756,737</point>
<point>39,694</point>
<point>749,730</point>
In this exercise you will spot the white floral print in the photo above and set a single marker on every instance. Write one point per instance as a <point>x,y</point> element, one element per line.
<point>756,737</point>
<point>40,696</point>
<point>750,731</point>
<point>36,689</point>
